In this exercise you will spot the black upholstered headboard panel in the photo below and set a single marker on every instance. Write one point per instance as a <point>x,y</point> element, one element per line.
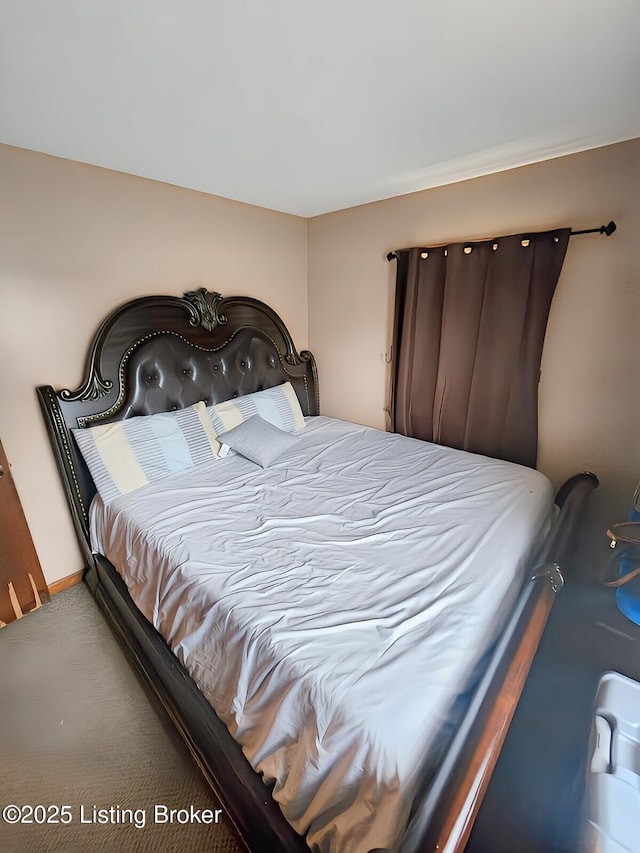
<point>160,353</point>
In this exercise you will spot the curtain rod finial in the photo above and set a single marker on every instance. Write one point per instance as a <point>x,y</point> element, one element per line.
<point>608,229</point>
<point>393,256</point>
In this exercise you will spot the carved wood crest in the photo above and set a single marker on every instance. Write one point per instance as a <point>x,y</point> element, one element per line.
<point>206,307</point>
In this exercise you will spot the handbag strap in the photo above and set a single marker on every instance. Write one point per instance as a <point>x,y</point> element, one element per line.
<point>623,579</point>
<point>627,532</point>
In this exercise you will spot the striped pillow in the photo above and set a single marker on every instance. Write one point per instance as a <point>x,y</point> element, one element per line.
<point>278,406</point>
<point>125,455</point>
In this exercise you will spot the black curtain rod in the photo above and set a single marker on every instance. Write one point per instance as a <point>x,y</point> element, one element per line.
<point>607,230</point>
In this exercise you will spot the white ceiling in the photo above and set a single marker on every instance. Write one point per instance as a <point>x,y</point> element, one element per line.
<point>308,106</point>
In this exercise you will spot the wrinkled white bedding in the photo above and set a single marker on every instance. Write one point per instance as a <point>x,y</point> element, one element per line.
<point>332,606</point>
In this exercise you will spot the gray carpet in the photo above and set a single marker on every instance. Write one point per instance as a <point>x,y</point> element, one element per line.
<point>78,729</point>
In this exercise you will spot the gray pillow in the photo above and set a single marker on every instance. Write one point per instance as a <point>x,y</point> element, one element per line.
<point>258,441</point>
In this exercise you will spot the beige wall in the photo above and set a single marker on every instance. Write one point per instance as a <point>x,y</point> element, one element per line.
<point>75,241</point>
<point>590,388</point>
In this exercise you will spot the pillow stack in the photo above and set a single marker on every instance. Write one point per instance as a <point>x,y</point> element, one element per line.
<point>126,455</point>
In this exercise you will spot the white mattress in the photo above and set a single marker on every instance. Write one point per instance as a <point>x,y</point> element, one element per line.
<point>333,606</point>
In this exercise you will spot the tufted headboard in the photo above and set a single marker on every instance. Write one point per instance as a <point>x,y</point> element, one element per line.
<point>159,353</point>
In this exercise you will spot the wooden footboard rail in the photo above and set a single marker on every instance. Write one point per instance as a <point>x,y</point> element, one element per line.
<point>443,818</point>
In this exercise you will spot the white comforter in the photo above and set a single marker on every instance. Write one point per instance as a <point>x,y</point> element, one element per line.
<point>332,606</point>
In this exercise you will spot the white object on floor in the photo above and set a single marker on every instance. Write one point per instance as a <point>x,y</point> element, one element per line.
<point>614,783</point>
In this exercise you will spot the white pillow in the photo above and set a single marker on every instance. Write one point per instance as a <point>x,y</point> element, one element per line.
<point>125,455</point>
<point>278,406</point>
<point>259,441</point>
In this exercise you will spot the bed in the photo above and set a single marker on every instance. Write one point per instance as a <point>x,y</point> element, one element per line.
<point>310,625</point>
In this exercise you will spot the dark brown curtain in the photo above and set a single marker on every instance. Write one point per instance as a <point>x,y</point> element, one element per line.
<point>469,327</point>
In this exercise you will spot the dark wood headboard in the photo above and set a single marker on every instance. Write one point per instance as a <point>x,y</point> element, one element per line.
<point>159,353</point>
